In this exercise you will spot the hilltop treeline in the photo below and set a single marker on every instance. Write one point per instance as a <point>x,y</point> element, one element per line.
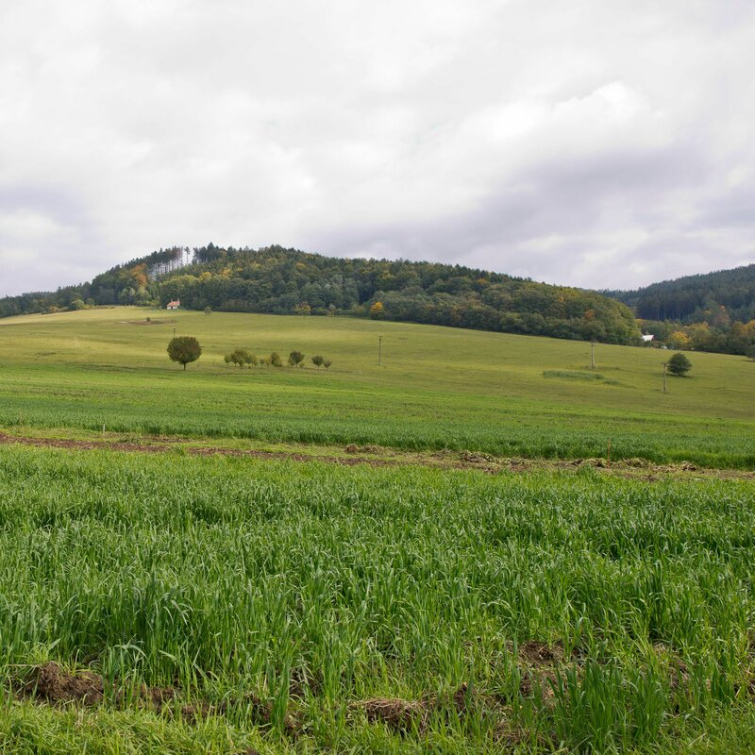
<point>713,312</point>
<point>286,281</point>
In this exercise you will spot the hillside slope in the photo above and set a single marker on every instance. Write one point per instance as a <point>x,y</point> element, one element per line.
<point>391,384</point>
<point>687,299</point>
<point>713,312</point>
<point>286,281</point>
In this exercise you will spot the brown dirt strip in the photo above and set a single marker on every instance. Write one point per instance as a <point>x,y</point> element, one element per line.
<point>356,455</point>
<point>83,445</point>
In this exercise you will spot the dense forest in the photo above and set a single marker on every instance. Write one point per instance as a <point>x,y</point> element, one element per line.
<point>713,312</point>
<point>286,281</point>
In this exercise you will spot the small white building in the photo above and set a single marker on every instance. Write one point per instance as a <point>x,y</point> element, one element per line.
<point>174,304</point>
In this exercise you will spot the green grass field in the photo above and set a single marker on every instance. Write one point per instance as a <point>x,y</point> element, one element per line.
<point>436,388</point>
<point>169,603</point>
<point>288,602</point>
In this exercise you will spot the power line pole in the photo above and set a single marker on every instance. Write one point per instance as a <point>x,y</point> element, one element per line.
<point>592,364</point>
<point>665,369</point>
<point>380,351</point>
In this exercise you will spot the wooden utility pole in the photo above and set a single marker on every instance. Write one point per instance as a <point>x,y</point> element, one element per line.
<point>592,363</point>
<point>380,351</point>
<point>665,368</point>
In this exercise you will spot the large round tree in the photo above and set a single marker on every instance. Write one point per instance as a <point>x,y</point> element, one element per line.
<point>184,349</point>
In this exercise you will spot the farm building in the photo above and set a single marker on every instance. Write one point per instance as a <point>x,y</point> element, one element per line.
<point>174,304</point>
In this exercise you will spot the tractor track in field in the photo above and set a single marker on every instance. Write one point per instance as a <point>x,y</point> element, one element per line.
<point>380,456</point>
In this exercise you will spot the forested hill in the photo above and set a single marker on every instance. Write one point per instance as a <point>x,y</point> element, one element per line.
<point>686,299</point>
<point>286,281</point>
<point>713,312</point>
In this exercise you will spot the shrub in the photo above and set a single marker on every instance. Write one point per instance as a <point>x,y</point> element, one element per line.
<point>679,365</point>
<point>295,358</point>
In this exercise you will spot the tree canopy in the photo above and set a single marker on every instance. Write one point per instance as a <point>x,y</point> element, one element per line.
<point>679,365</point>
<point>712,312</point>
<point>184,349</point>
<point>286,281</point>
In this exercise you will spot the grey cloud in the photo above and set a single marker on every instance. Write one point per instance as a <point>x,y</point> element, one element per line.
<point>590,143</point>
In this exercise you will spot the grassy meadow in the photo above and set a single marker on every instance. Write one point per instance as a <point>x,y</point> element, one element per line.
<point>174,603</point>
<point>436,387</point>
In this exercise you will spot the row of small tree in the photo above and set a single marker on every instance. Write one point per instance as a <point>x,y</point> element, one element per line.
<point>185,349</point>
<point>246,358</point>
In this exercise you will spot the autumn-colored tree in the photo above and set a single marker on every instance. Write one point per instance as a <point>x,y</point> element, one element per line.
<point>376,310</point>
<point>679,340</point>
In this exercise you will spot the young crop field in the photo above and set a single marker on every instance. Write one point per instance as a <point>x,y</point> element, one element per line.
<point>164,603</point>
<point>434,388</point>
<point>283,560</point>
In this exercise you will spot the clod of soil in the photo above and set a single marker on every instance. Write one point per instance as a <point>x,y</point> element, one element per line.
<point>302,680</point>
<point>154,697</point>
<point>532,682</point>
<point>476,457</point>
<point>51,683</point>
<point>195,713</point>
<point>399,715</point>
<point>462,699</point>
<point>636,463</point>
<point>353,448</point>
<point>261,713</point>
<point>540,654</point>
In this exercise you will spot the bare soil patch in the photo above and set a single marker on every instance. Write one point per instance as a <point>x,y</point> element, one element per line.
<point>148,322</point>
<point>50,684</point>
<point>399,715</point>
<point>387,457</point>
<point>54,685</point>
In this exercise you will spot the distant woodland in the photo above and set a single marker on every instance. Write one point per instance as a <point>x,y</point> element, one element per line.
<point>286,281</point>
<point>713,312</point>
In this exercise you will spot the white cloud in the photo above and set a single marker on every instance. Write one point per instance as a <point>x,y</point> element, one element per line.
<point>590,143</point>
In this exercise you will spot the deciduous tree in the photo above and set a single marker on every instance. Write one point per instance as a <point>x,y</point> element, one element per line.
<point>679,365</point>
<point>184,349</point>
<point>295,358</point>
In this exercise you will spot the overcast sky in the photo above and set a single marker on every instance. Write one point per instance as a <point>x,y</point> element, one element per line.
<point>603,144</point>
